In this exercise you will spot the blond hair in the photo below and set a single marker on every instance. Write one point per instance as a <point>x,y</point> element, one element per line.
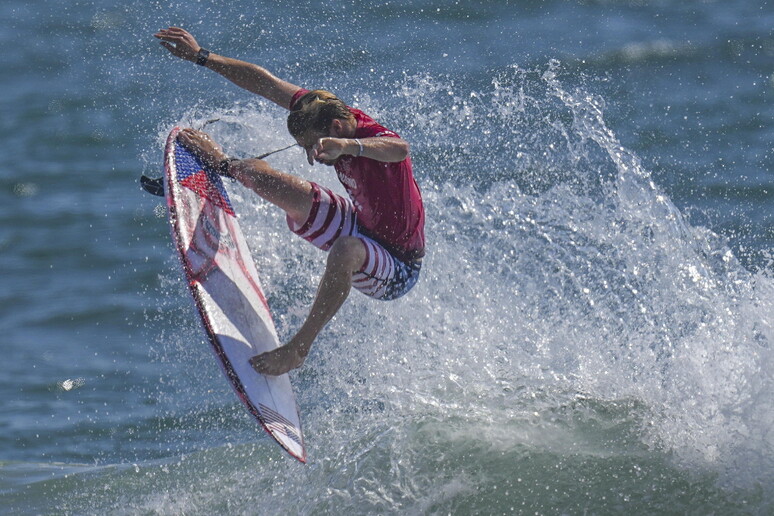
<point>316,110</point>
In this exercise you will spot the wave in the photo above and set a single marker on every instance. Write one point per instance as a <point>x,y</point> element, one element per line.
<point>735,48</point>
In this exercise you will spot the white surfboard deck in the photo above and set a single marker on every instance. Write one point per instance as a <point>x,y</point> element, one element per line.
<point>223,280</point>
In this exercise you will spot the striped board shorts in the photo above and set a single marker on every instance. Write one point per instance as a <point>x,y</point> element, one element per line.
<point>382,275</point>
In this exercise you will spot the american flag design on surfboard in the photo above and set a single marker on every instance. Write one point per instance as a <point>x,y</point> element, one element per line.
<point>193,175</point>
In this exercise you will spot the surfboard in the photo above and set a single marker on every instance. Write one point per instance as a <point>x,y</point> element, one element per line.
<point>223,280</point>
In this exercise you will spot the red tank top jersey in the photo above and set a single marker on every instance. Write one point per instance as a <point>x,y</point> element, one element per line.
<point>386,195</point>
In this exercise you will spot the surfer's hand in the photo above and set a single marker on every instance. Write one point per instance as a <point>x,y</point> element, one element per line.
<point>201,144</point>
<point>179,42</point>
<point>327,150</point>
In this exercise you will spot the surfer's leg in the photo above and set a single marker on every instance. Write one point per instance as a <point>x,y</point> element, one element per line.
<point>346,256</point>
<point>291,193</point>
<point>331,216</point>
<point>383,276</point>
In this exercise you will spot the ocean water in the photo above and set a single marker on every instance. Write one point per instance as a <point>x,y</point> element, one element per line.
<point>593,330</point>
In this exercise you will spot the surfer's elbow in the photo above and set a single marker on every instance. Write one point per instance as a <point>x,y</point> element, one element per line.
<point>406,149</point>
<point>400,149</point>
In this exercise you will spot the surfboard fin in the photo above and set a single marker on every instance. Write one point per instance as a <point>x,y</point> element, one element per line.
<point>153,186</point>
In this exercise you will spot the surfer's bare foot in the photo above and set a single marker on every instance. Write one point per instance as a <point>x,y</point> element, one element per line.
<point>201,144</point>
<point>279,361</point>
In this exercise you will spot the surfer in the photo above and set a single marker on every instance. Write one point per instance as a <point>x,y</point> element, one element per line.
<point>375,238</point>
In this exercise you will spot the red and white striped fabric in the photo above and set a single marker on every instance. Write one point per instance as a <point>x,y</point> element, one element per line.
<point>332,217</point>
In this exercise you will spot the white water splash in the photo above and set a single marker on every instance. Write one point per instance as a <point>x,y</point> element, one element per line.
<point>566,309</point>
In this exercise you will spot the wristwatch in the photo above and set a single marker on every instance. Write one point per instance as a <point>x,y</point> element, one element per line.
<point>202,56</point>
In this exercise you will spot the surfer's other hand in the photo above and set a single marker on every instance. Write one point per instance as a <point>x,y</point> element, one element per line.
<point>328,150</point>
<point>179,42</point>
<point>201,144</point>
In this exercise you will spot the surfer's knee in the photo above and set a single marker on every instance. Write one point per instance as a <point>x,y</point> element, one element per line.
<point>347,252</point>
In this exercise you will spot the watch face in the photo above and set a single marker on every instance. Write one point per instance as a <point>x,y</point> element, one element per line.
<point>202,56</point>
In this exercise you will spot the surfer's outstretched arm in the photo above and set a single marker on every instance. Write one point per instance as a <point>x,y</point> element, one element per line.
<point>246,75</point>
